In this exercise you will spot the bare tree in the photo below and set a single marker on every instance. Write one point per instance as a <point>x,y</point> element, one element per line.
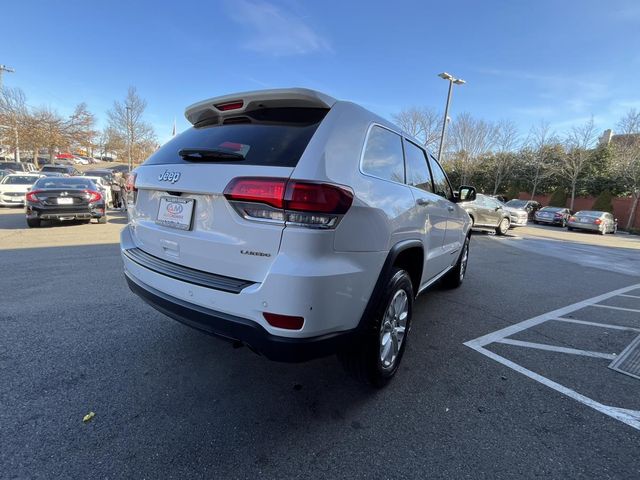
<point>540,142</point>
<point>13,115</point>
<point>422,123</point>
<point>467,141</point>
<point>630,122</point>
<point>126,122</point>
<point>79,128</point>
<point>626,159</point>
<point>506,139</point>
<point>577,143</point>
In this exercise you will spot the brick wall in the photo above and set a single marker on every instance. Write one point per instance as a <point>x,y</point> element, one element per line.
<point>621,206</point>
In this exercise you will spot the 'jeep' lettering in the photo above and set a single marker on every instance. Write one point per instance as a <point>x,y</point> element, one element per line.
<point>168,176</point>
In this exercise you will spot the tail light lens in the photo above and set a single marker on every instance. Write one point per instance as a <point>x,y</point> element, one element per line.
<point>309,204</point>
<point>131,182</point>
<point>93,196</point>
<point>284,321</point>
<point>33,196</point>
<point>572,218</point>
<point>597,221</point>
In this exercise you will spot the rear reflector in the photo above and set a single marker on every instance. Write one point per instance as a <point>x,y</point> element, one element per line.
<point>284,321</point>
<point>235,105</point>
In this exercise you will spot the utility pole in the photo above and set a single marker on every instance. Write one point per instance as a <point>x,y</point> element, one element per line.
<point>4,68</point>
<point>452,80</point>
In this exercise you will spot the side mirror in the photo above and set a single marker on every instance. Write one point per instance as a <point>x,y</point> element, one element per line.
<point>466,194</point>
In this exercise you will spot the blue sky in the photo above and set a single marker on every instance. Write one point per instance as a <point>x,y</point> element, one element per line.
<point>561,61</point>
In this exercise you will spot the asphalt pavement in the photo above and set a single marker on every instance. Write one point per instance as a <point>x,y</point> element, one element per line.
<point>170,402</point>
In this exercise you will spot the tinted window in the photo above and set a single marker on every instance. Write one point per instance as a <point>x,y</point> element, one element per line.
<point>54,169</point>
<point>383,155</point>
<point>272,136</point>
<point>418,174</point>
<point>440,182</point>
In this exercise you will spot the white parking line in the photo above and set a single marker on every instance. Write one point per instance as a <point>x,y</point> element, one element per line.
<point>616,308</point>
<point>629,296</point>
<point>596,324</point>
<point>553,348</point>
<point>629,417</point>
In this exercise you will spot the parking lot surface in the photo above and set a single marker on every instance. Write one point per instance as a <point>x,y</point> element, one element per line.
<point>170,402</point>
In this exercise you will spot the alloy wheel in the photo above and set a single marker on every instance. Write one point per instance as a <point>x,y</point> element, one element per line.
<point>393,329</point>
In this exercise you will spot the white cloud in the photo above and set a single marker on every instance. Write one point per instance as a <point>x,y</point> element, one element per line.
<point>272,30</point>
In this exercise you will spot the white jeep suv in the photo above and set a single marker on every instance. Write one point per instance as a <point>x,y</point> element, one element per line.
<point>297,225</point>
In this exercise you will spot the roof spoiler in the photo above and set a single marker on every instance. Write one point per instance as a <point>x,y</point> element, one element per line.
<point>239,103</point>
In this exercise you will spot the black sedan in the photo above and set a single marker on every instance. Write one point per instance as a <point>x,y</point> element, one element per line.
<point>553,216</point>
<point>64,198</point>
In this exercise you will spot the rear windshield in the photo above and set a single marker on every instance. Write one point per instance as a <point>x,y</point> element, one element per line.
<point>11,166</point>
<point>268,137</point>
<point>64,182</point>
<point>590,213</point>
<point>54,169</point>
<point>551,209</point>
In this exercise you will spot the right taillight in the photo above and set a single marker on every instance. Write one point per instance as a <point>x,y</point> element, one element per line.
<point>131,191</point>
<point>302,203</point>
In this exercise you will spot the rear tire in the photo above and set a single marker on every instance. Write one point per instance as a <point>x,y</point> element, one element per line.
<point>503,227</point>
<point>33,222</point>
<point>374,355</point>
<point>454,277</point>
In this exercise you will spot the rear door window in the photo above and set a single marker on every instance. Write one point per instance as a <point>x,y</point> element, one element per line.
<point>382,156</point>
<point>440,181</point>
<point>418,174</point>
<point>268,137</point>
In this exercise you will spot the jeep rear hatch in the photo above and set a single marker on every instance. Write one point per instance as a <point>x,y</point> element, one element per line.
<point>180,213</point>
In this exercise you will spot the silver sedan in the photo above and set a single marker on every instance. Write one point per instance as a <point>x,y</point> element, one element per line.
<point>601,222</point>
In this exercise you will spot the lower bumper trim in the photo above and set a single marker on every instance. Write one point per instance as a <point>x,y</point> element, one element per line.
<point>238,329</point>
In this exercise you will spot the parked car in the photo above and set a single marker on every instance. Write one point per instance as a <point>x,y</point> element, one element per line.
<point>488,213</point>
<point>26,167</point>
<point>118,168</point>
<point>101,172</point>
<point>47,173</point>
<point>530,206</point>
<point>68,170</point>
<point>13,188</point>
<point>601,222</point>
<point>4,172</point>
<point>283,220</point>
<point>553,216</point>
<point>64,198</point>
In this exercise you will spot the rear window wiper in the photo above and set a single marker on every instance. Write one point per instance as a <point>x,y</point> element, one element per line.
<point>209,154</point>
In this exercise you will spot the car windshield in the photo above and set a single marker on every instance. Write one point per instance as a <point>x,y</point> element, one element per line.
<point>65,182</point>
<point>18,180</point>
<point>516,203</point>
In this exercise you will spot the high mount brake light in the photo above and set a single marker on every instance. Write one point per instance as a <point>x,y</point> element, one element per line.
<point>234,105</point>
<point>304,203</point>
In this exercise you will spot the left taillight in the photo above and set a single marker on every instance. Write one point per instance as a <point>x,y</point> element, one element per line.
<point>300,203</point>
<point>93,196</point>
<point>33,196</point>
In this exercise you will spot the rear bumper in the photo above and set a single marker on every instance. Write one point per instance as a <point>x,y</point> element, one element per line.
<point>238,329</point>
<point>52,213</point>
<point>550,221</point>
<point>584,226</point>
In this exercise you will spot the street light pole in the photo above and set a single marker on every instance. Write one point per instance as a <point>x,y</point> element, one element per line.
<point>452,80</point>
<point>4,68</point>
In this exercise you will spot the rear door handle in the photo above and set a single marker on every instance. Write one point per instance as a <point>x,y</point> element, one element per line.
<point>422,202</point>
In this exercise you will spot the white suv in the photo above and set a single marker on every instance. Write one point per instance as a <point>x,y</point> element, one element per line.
<point>295,224</point>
